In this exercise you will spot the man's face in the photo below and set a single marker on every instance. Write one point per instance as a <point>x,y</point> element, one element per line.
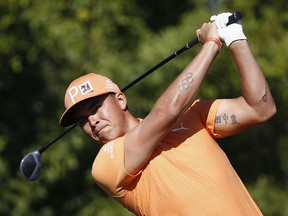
<point>101,117</point>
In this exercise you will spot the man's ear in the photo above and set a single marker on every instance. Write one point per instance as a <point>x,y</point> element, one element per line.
<point>121,100</point>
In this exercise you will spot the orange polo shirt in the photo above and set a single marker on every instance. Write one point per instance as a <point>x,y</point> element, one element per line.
<point>187,174</point>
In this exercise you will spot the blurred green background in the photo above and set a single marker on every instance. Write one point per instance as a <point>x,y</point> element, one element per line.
<point>44,44</point>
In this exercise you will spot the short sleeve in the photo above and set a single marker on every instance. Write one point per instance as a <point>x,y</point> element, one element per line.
<point>108,169</point>
<point>211,117</point>
<point>208,110</point>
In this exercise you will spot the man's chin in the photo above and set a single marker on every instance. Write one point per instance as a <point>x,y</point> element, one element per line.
<point>101,140</point>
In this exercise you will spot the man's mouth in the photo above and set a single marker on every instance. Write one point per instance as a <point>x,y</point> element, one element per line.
<point>99,130</point>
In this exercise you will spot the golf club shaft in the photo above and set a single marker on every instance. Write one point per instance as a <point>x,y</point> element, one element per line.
<point>169,58</point>
<point>56,139</point>
<point>236,16</point>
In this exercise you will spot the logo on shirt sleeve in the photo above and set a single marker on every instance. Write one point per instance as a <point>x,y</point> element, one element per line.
<point>108,148</point>
<point>180,128</point>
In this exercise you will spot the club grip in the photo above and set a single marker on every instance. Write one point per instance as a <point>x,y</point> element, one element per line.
<point>235,17</point>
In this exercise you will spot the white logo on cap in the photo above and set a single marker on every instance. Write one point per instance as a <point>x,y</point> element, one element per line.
<point>109,84</point>
<point>84,88</point>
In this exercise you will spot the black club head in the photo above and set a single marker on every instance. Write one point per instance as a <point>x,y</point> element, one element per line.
<point>30,166</point>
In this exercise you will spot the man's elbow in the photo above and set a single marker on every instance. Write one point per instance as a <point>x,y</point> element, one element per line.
<point>268,112</point>
<point>273,111</point>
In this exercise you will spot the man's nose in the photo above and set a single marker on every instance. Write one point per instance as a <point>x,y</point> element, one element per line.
<point>93,120</point>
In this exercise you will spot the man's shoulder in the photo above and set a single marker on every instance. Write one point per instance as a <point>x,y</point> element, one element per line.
<point>112,146</point>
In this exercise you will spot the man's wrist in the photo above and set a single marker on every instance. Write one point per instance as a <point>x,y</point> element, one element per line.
<point>238,43</point>
<point>215,41</point>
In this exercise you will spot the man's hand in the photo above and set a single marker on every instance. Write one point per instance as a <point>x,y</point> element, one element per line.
<point>230,33</point>
<point>208,30</point>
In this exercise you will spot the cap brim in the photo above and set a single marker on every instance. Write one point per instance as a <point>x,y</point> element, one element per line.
<point>67,117</point>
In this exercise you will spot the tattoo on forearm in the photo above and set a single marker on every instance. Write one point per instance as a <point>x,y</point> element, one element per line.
<point>186,82</point>
<point>232,119</point>
<point>264,98</point>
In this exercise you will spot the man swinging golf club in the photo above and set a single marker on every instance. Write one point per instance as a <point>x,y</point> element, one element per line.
<point>169,163</point>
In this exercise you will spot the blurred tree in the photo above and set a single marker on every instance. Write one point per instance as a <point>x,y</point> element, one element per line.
<point>46,44</point>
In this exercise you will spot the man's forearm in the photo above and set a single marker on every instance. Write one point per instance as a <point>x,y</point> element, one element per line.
<point>184,89</point>
<point>253,83</point>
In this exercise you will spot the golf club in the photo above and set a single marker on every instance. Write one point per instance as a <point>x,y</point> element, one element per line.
<point>30,165</point>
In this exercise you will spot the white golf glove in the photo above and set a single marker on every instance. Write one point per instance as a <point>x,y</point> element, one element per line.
<point>230,33</point>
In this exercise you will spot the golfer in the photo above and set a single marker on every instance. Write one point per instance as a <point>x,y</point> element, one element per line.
<point>169,163</point>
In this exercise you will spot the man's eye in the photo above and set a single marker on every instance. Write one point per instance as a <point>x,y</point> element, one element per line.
<point>95,108</point>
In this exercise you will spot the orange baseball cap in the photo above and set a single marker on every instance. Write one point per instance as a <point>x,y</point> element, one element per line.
<point>82,88</point>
